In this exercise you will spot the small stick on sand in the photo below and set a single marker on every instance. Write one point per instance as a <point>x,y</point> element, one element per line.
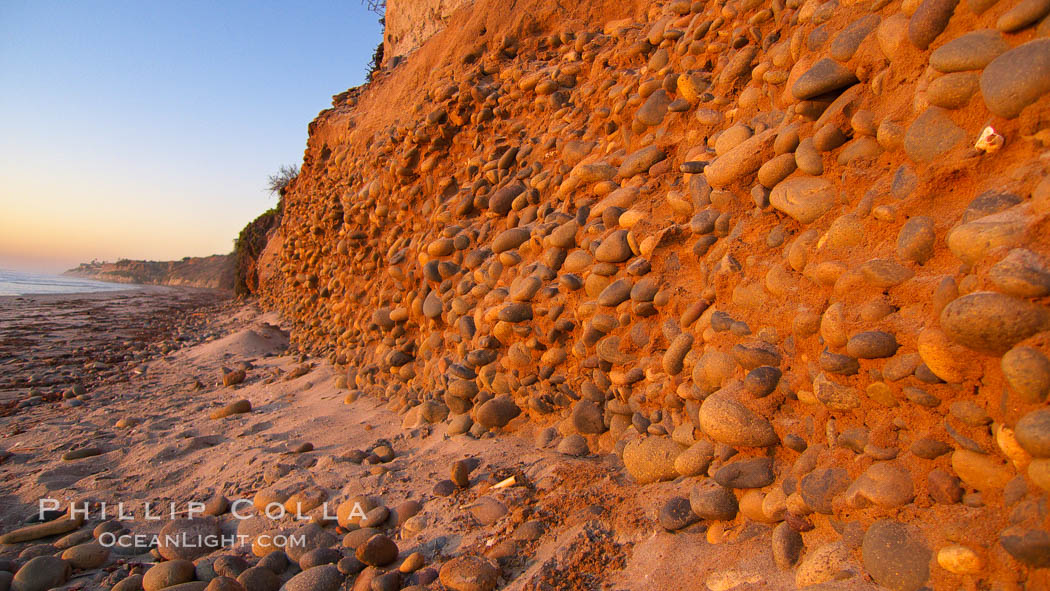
<point>505,483</point>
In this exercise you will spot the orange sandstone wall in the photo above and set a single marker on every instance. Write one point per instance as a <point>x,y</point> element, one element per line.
<point>756,246</point>
<point>409,23</point>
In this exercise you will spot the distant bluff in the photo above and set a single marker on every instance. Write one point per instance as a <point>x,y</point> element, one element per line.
<point>793,253</point>
<point>215,272</point>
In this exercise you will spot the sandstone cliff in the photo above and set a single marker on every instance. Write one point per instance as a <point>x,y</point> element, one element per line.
<point>790,255</point>
<point>214,272</point>
<point>409,23</point>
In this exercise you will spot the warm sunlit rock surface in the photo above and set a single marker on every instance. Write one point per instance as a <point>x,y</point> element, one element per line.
<point>613,295</point>
<point>765,229</point>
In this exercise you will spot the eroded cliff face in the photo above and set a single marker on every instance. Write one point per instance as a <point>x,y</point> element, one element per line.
<point>214,272</point>
<point>793,253</point>
<point>409,23</point>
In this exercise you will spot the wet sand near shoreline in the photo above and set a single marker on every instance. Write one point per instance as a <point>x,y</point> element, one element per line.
<point>51,343</point>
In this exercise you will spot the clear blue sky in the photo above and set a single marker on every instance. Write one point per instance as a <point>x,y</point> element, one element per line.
<point>147,129</point>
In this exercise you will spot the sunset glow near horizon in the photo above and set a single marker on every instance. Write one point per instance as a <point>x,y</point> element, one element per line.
<point>148,130</point>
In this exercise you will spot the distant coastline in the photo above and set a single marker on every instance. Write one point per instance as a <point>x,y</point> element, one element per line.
<point>214,272</point>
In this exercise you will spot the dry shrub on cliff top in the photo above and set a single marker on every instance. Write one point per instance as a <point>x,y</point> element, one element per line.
<point>276,183</point>
<point>376,6</point>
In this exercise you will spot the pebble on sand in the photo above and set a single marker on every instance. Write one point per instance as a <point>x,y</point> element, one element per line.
<point>233,408</point>
<point>651,459</point>
<point>469,573</point>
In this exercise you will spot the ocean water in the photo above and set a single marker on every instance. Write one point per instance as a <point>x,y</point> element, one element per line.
<point>14,283</point>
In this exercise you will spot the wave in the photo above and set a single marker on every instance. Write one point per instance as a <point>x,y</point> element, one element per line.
<point>17,283</point>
